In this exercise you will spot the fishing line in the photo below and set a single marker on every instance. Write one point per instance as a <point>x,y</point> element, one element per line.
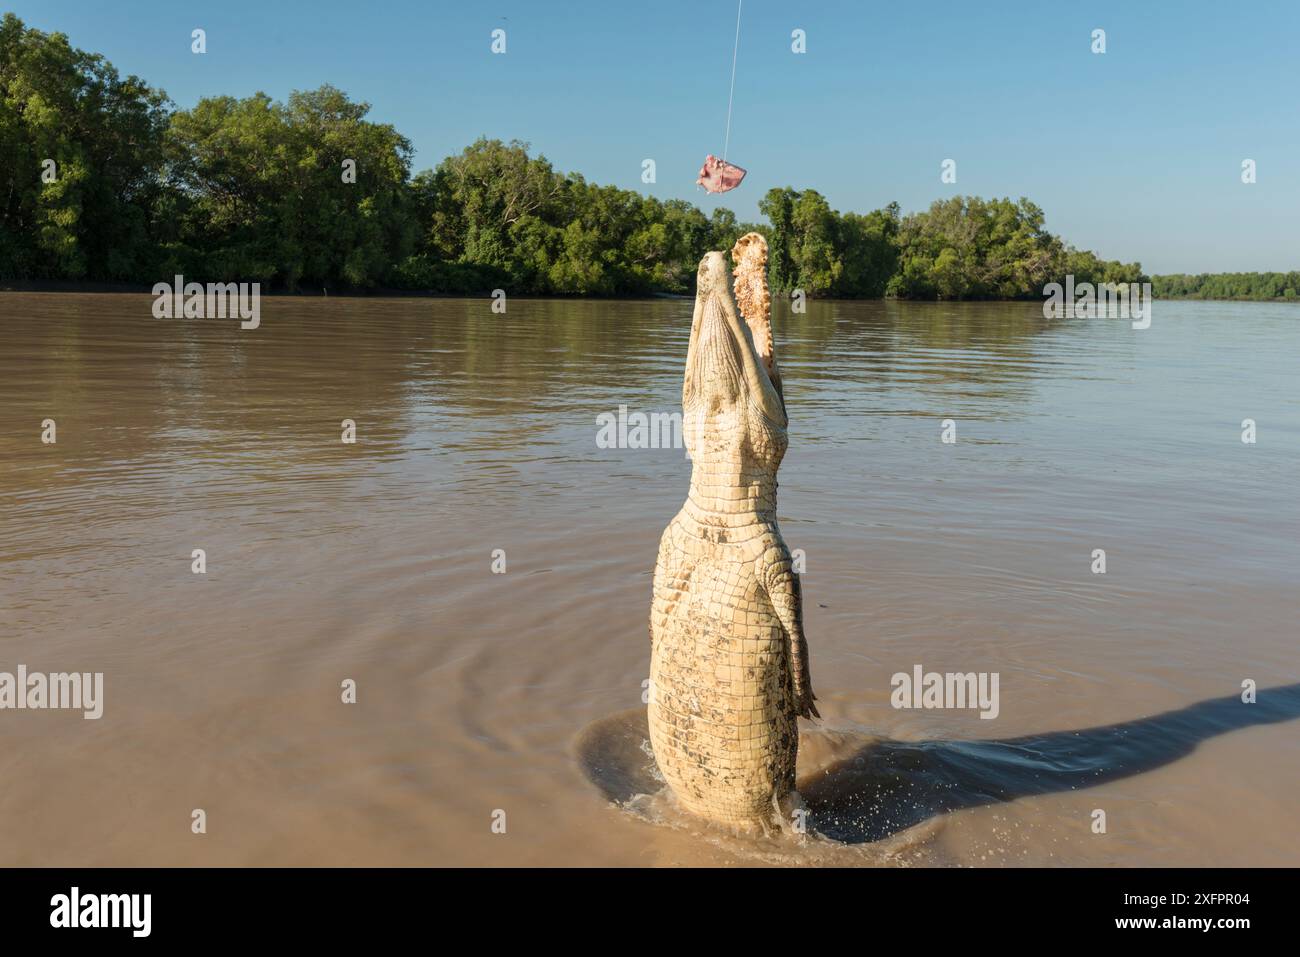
<point>732,95</point>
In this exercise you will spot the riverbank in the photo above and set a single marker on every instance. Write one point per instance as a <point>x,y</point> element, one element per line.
<point>393,292</point>
<point>308,292</point>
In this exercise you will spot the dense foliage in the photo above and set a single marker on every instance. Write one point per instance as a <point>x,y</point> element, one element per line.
<point>1231,285</point>
<point>102,179</point>
<point>104,133</point>
<point>496,216</point>
<point>256,190</point>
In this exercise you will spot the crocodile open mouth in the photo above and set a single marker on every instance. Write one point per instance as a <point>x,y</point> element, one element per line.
<point>723,367</point>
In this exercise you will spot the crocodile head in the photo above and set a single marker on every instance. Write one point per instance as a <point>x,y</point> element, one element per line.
<point>733,414</point>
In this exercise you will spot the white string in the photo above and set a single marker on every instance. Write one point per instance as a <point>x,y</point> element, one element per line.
<point>732,95</point>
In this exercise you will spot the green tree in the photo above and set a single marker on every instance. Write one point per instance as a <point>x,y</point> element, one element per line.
<point>264,190</point>
<point>869,252</point>
<point>967,247</point>
<point>778,207</point>
<point>815,246</point>
<point>103,134</point>
<point>481,193</point>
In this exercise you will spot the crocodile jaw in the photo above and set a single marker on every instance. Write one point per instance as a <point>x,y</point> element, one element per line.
<point>731,409</point>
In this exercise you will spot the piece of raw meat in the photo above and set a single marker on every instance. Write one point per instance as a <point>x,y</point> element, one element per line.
<point>718,176</point>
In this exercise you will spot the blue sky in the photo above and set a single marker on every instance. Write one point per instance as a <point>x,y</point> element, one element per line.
<point>1135,153</point>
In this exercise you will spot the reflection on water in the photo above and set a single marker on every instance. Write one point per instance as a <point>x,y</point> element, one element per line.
<point>477,432</point>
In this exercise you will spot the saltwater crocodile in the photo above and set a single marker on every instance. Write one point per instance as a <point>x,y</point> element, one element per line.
<point>728,662</point>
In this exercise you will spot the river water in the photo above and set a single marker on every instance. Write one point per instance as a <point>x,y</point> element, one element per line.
<point>479,566</point>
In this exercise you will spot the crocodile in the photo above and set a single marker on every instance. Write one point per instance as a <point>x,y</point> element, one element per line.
<point>729,674</point>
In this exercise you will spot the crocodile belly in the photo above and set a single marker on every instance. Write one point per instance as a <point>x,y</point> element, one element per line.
<point>721,723</point>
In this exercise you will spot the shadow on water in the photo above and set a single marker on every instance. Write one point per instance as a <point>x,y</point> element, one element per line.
<point>865,789</point>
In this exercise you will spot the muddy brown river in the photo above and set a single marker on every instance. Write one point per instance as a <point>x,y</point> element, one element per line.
<point>476,566</point>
